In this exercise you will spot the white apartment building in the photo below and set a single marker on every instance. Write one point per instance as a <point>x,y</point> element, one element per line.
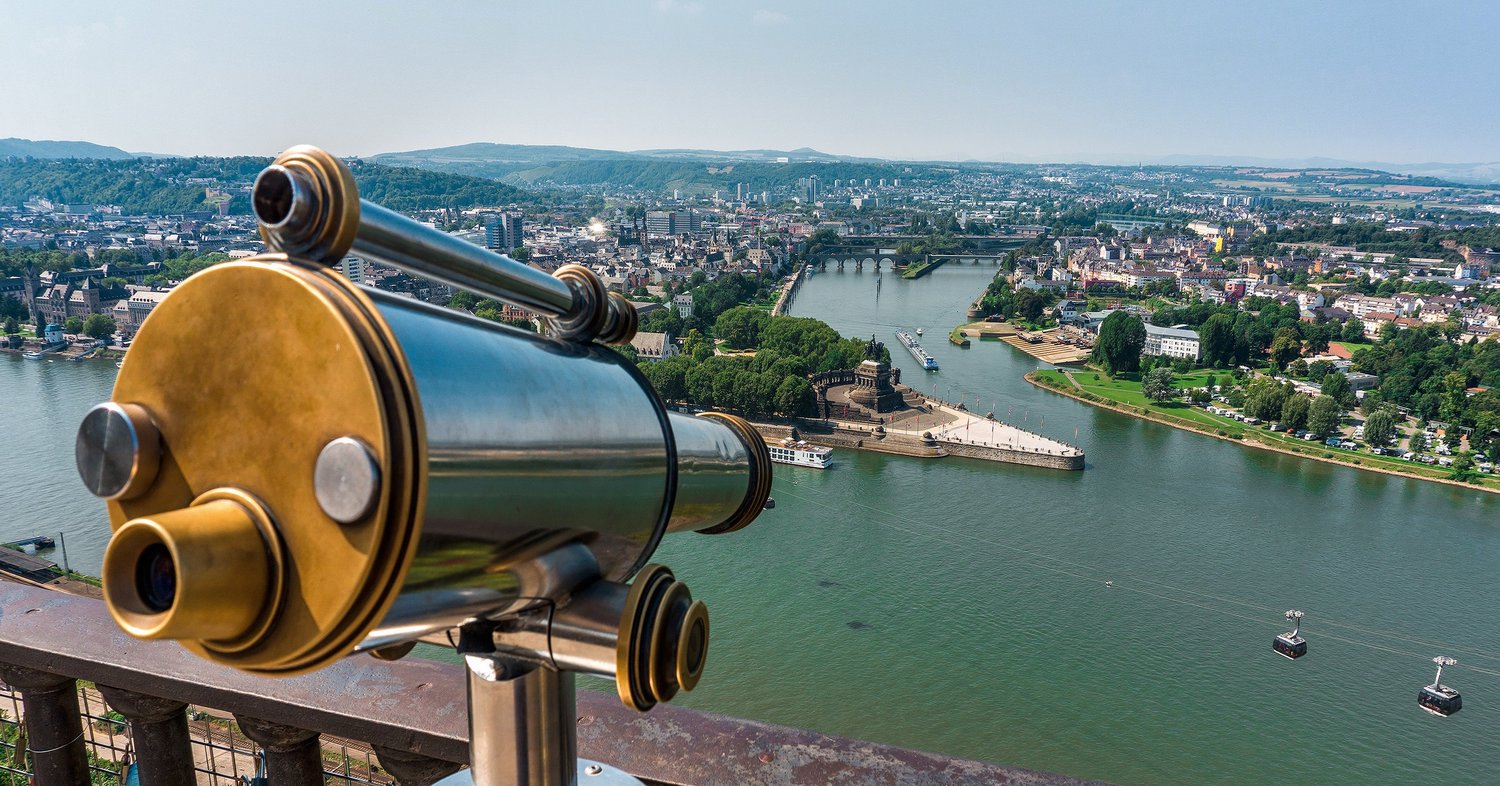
<point>1172,342</point>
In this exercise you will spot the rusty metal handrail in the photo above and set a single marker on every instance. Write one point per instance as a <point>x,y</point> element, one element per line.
<point>418,707</point>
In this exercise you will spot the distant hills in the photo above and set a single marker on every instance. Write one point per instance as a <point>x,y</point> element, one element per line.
<point>694,169</point>
<point>1472,174</point>
<point>496,153</point>
<point>48,148</point>
<point>524,164</point>
<point>691,171</point>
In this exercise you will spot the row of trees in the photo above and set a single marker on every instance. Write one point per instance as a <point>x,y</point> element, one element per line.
<point>1263,328</point>
<point>1226,337</point>
<point>1001,299</point>
<point>774,381</point>
<point>1280,403</point>
<point>98,326</point>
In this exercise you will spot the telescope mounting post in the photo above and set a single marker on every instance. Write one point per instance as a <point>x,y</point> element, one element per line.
<point>523,725</point>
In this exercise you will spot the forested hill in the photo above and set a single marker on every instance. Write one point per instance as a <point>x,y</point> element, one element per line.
<point>49,148</point>
<point>155,186</point>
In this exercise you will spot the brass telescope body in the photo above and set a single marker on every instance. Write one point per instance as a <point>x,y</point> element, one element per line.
<point>298,468</point>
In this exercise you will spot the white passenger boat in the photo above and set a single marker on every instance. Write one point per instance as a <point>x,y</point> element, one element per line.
<point>801,454</point>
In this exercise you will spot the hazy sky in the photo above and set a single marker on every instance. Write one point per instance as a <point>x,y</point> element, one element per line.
<point>1004,80</point>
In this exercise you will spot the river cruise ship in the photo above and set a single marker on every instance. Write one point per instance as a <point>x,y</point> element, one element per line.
<point>910,342</point>
<point>801,454</point>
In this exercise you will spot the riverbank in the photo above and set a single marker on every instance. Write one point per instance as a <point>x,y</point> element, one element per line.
<point>71,352</point>
<point>788,291</point>
<point>1247,436</point>
<point>1047,345</point>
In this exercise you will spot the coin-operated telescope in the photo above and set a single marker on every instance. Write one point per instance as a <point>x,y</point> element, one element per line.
<point>298,468</point>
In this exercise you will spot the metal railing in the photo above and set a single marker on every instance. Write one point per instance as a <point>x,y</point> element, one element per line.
<point>183,720</point>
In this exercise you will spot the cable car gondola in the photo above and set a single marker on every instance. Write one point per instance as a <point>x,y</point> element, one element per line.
<point>1437,698</point>
<point>1290,645</point>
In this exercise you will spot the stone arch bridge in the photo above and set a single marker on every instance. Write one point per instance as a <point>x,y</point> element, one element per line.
<point>878,258</point>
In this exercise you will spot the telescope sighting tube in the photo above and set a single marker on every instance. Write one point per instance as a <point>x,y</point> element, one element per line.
<point>309,207</point>
<point>297,468</point>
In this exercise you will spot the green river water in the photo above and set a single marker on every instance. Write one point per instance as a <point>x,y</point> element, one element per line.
<point>960,606</point>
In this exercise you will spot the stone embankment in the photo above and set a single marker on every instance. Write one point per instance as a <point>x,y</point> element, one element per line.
<point>992,440</point>
<point>788,292</point>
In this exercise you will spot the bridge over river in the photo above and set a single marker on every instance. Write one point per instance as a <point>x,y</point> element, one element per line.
<point>877,257</point>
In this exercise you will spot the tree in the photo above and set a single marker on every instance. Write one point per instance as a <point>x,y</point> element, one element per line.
<point>1297,368</point>
<point>1451,396</point>
<point>1463,468</point>
<point>1294,412</point>
<point>1285,346</point>
<point>1122,336</point>
<point>1324,415</point>
<point>1354,330</point>
<point>740,326</point>
<point>12,327</point>
<point>1380,426</point>
<point>1336,386</point>
<point>1158,385</point>
<point>1217,339</point>
<point>668,377</point>
<point>1317,370</point>
<point>1418,443</point>
<point>463,299</point>
<point>1318,336</point>
<point>1265,398</point>
<point>73,325</point>
<point>794,396</point>
<point>695,346</point>
<point>99,326</point>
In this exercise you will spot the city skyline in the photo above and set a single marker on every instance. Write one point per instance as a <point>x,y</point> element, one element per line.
<point>998,82</point>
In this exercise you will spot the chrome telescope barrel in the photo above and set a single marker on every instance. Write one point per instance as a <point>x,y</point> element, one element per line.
<point>309,207</point>
<point>384,470</point>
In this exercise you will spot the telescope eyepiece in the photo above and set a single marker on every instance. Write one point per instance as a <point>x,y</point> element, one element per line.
<point>156,578</point>
<point>210,573</point>
<point>279,197</point>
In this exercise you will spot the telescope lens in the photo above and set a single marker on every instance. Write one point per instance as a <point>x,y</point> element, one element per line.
<point>697,647</point>
<point>156,578</point>
<point>271,197</point>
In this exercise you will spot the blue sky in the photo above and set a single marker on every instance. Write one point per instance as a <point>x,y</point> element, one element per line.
<point>1000,80</point>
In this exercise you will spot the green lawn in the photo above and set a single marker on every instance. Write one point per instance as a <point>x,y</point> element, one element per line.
<point>1127,391</point>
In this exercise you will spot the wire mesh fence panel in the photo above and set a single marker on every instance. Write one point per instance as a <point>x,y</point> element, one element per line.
<point>221,754</point>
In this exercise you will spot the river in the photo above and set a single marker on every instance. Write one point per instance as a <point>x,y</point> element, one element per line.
<point>961,606</point>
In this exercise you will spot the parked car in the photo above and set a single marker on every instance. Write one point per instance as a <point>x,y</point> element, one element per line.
<point>1408,455</point>
<point>1445,462</point>
<point>1332,442</point>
